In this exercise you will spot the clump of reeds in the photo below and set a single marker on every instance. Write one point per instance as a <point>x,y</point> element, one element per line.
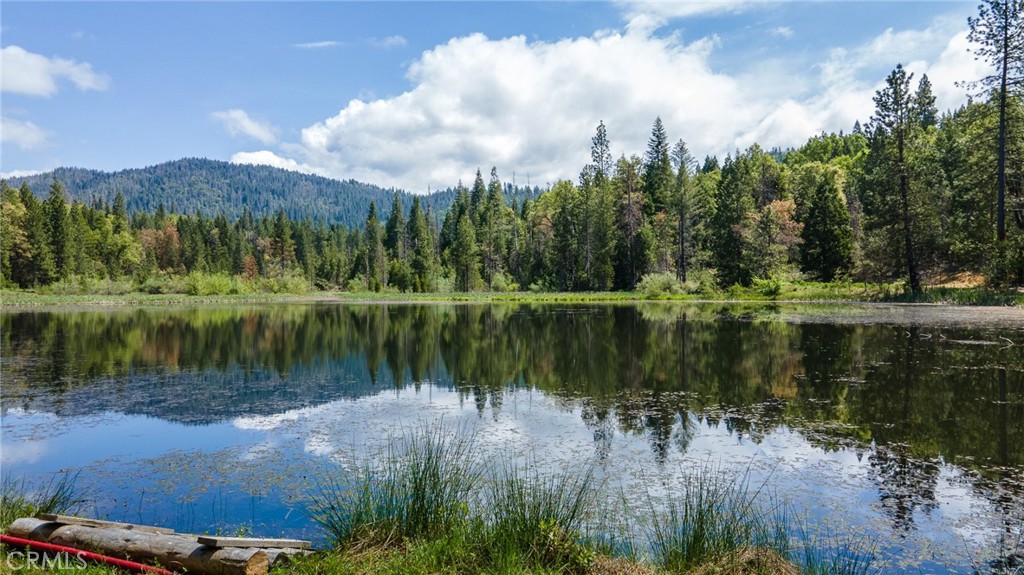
<point>19,499</point>
<point>539,518</point>
<point>713,518</point>
<point>420,487</point>
<point>425,504</point>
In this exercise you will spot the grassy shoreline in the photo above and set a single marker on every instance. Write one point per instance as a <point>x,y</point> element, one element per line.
<point>788,293</point>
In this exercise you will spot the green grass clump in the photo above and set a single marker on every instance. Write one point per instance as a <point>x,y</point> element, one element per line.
<point>539,519</point>
<point>18,499</point>
<point>418,488</point>
<point>711,519</point>
<point>60,496</point>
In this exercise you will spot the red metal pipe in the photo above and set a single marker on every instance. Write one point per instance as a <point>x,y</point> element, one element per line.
<point>131,565</point>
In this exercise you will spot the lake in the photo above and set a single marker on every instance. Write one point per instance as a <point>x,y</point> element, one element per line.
<point>902,426</point>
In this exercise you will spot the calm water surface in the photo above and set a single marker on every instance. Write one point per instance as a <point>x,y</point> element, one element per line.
<point>903,426</point>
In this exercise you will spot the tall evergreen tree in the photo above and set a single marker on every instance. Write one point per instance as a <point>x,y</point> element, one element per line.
<point>395,239</point>
<point>601,154</point>
<point>466,255</point>
<point>827,248</point>
<point>998,34</point>
<point>41,269</point>
<point>282,243</point>
<point>374,258</point>
<point>734,219</point>
<point>925,112</point>
<point>477,195</point>
<point>687,210</point>
<point>891,130</point>
<point>658,176</point>
<point>59,229</point>
<point>421,249</point>
<point>635,238</point>
<point>491,228</point>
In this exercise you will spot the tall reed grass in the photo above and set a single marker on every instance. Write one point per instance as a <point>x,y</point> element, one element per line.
<point>429,497</point>
<point>19,499</point>
<point>419,487</point>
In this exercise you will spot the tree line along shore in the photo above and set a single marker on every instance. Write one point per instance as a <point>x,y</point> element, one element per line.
<point>901,202</point>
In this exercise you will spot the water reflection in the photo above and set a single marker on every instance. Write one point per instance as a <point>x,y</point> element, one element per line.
<point>908,395</point>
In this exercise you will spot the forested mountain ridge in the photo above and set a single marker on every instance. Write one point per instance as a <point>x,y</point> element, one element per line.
<point>193,185</point>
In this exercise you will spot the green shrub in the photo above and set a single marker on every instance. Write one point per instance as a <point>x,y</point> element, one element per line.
<point>82,285</point>
<point>290,283</point>
<point>770,287</point>
<point>198,283</point>
<point>701,281</point>
<point>659,284</point>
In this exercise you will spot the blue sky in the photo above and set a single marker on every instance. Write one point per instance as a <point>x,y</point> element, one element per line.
<point>417,95</point>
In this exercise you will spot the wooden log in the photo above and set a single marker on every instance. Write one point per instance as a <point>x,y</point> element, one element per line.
<point>213,541</point>
<point>171,551</point>
<point>71,520</point>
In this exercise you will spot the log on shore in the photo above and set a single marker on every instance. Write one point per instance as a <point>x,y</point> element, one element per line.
<point>171,551</point>
<point>71,520</point>
<point>217,541</point>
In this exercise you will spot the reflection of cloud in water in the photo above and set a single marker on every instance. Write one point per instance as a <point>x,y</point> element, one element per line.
<point>29,451</point>
<point>266,422</point>
<point>832,490</point>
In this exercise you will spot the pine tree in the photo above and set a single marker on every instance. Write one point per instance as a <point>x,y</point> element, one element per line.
<point>421,249</point>
<point>892,128</point>
<point>997,33</point>
<point>827,248</point>
<point>59,230</point>
<point>466,256</point>
<point>491,228</point>
<point>925,112</point>
<point>120,214</point>
<point>476,196</point>
<point>687,212</point>
<point>395,241</point>
<point>601,155</point>
<point>658,176</point>
<point>41,269</point>
<point>282,243</point>
<point>374,257</point>
<point>734,218</point>
<point>635,239</point>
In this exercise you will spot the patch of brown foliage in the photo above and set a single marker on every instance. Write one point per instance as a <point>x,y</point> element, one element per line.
<point>748,561</point>
<point>603,565</point>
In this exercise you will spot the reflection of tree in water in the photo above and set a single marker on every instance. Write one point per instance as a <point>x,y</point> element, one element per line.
<point>661,371</point>
<point>905,485</point>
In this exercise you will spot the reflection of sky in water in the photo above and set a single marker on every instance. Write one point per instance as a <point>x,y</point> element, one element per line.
<point>256,470</point>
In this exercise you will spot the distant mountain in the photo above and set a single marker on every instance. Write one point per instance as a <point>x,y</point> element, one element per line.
<point>192,184</point>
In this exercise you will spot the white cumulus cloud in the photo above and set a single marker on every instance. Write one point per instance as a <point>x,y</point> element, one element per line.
<point>22,133</point>
<point>33,74</point>
<point>237,122</point>
<point>268,158</point>
<point>531,107</point>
